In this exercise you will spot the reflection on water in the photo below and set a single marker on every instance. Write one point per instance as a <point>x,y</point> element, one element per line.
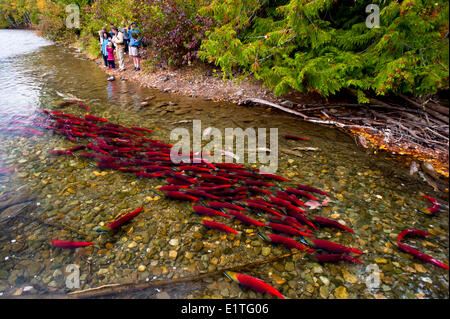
<point>19,90</point>
<point>371,193</point>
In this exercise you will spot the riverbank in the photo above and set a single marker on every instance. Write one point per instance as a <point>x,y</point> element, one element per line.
<point>429,163</point>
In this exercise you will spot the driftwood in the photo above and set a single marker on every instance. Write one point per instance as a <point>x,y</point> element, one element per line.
<point>431,109</point>
<point>13,198</point>
<point>58,225</point>
<point>277,106</point>
<point>415,122</point>
<point>438,108</point>
<point>113,289</point>
<point>290,152</point>
<point>13,204</point>
<point>23,210</point>
<point>313,149</point>
<point>305,117</point>
<point>12,212</point>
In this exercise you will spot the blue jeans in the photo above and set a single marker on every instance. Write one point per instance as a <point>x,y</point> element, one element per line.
<point>105,59</point>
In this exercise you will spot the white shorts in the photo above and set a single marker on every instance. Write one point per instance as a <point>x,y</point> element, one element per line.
<point>134,51</point>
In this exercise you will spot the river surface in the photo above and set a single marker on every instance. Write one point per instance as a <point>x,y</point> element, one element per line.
<point>61,197</point>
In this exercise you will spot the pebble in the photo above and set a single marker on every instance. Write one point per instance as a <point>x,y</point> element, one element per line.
<point>197,235</point>
<point>197,246</point>
<point>324,280</point>
<point>323,290</point>
<point>132,244</point>
<point>28,288</point>
<point>142,268</point>
<point>57,273</point>
<point>289,266</point>
<point>162,295</point>
<point>318,269</point>
<point>348,277</point>
<point>103,271</point>
<point>173,254</point>
<point>341,293</point>
<point>279,280</point>
<point>420,268</point>
<point>173,242</point>
<point>381,261</point>
<point>293,284</point>
<point>265,251</point>
<point>310,288</point>
<point>214,261</point>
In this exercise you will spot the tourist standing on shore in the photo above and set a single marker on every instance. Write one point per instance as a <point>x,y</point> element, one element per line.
<point>104,44</point>
<point>100,34</point>
<point>120,47</point>
<point>110,50</point>
<point>111,32</point>
<point>134,50</point>
<point>126,39</point>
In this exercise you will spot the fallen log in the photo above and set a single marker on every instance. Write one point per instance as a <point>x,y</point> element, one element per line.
<point>13,198</point>
<point>12,212</point>
<point>428,109</point>
<point>305,117</point>
<point>438,108</point>
<point>113,289</point>
<point>277,106</point>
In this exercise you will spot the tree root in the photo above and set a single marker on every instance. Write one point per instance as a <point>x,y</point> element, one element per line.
<point>416,128</point>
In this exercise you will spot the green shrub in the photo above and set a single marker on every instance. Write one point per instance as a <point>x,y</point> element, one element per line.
<point>324,46</point>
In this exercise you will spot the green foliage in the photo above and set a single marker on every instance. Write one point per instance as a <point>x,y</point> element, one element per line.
<point>172,29</point>
<point>324,46</point>
<point>17,13</point>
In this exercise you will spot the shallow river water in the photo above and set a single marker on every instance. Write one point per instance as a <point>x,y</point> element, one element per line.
<point>60,197</point>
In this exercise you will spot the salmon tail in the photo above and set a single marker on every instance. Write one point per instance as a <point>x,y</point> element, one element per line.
<point>231,275</point>
<point>356,251</point>
<point>438,263</point>
<point>423,212</point>
<point>264,237</point>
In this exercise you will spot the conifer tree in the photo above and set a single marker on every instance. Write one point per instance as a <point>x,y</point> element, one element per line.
<point>325,46</point>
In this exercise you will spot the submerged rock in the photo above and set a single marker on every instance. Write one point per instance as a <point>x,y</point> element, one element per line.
<point>341,293</point>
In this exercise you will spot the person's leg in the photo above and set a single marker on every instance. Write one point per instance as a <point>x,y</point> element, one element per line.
<point>137,62</point>
<point>113,64</point>
<point>121,60</point>
<point>105,60</point>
